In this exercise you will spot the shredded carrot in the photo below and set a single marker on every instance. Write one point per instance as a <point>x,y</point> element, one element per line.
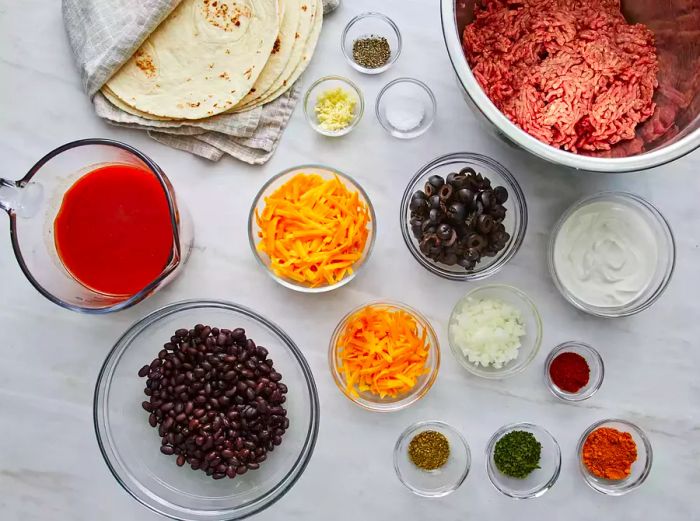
<point>383,351</point>
<point>314,230</point>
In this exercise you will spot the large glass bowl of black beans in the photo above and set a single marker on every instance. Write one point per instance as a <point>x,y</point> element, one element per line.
<point>463,216</point>
<point>204,410</point>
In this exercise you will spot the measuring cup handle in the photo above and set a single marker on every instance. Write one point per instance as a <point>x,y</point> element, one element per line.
<point>24,200</point>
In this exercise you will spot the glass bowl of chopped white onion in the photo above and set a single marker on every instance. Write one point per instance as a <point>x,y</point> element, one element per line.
<point>495,331</point>
<point>333,106</point>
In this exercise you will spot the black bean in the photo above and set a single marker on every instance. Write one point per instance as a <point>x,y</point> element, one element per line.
<point>167,449</point>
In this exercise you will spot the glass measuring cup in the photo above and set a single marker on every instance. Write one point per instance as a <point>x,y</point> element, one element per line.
<point>34,201</point>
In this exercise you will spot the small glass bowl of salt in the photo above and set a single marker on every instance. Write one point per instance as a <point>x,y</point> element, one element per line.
<point>406,108</point>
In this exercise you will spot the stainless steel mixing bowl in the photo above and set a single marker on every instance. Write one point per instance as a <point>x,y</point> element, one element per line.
<point>676,25</point>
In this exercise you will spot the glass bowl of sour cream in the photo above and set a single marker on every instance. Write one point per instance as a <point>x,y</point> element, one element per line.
<point>612,254</point>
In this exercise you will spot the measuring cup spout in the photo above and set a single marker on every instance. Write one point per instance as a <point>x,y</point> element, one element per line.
<point>22,199</point>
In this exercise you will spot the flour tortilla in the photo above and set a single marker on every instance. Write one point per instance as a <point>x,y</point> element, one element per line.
<point>309,26</point>
<point>282,50</point>
<point>201,60</point>
<point>307,54</point>
<point>121,104</point>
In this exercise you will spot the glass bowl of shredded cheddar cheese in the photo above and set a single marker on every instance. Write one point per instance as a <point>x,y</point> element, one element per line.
<point>333,106</point>
<point>312,228</point>
<point>384,356</point>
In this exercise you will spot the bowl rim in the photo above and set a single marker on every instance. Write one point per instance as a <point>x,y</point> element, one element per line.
<point>497,374</point>
<point>630,308</point>
<point>410,134</point>
<point>577,396</point>
<point>514,191</point>
<point>426,425</point>
<point>358,115</point>
<point>515,134</point>
<point>394,54</point>
<point>490,471</point>
<point>647,463</point>
<point>299,169</point>
<point>106,446</point>
<point>416,393</point>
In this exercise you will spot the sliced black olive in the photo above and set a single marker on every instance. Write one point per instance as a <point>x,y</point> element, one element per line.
<point>485,224</point>
<point>446,193</point>
<point>436,181</point>
<point>501,194</point>
<point>434,201</point>
<point>435,215</point>
<point>487,198</point>
<point>429,190</point>
<point>444,231</point>
<point>457,212</point>
<point>467,264</point>
<point>465,195</point>
<point>467,171</point>
<point>498,212</point>
<point>472,255</point>
<point>476,241</point>
<point>417,230</point>
<point>488,252</point>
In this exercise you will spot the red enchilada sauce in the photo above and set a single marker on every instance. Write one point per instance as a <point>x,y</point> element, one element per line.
<point>113,231</point>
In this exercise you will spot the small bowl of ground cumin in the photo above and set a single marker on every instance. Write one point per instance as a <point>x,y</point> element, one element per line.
<point>614,456</point>
<point>431,458</point>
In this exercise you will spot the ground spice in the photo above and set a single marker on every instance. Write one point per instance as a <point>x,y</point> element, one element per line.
<point>609,453</point>
<point>371,52</point>
<point>570,372</point>
<point>517,454</point>
<point>429,450</point>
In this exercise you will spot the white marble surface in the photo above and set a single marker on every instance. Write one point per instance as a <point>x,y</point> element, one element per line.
<point>50,466</point>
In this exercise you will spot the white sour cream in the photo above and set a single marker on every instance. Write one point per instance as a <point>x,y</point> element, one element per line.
<point>605,254</point>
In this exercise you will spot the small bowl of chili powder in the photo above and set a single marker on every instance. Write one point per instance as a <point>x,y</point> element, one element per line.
<point>574,371</point>
<point>614,456</point>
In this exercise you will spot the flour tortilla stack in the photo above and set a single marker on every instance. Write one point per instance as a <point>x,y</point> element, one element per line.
<point>201,61</point>
<point>281,51</point>
<point>306,38</point>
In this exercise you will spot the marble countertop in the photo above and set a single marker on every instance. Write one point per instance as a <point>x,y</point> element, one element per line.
<point>50,465</point>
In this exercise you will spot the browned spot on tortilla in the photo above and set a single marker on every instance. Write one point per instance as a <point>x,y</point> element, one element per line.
<point>248,73</point>
<point>211,65</point>
<point>228,51</point>
<point>180,106</point>
<point>276,47</point>
<point>224,75</point>
<point>253,89</point>
<point>304,7</point>
<point>194,105</point>
<point>144,61</point>
<point>297,35</point>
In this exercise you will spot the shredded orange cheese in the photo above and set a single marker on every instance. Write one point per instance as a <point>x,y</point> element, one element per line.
<point>313,230</point>
<point>383,351</point>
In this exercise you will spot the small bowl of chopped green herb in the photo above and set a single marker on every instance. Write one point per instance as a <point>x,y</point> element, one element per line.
<point>523,460</point>
<point>431,458</point>
<point>495,331</point>
<point>371,43</point>
<point>333,106</point>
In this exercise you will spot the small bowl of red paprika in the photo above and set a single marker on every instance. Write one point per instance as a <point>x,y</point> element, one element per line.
<point>574,371</point>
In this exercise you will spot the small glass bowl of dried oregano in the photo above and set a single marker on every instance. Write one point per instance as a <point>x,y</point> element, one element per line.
<point>371,43</point>
<point>431,458</point>
<point>523,460</point>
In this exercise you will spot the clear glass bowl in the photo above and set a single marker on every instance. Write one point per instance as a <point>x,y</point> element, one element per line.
<point>439,482</point>
<point>409,98</point>
<point>640,468</point>
<point>273,184</point>
<point>665,262</point>
<point>595,364</point>
<point>539,480</point>
<point>515,221</point>
<point>369,400</point>
<point>320,86</point>
<point>530,342</point>
<point>130,445</point>
<point>371,24</point>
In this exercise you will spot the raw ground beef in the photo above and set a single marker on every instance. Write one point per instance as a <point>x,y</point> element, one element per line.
<point>572,73</point>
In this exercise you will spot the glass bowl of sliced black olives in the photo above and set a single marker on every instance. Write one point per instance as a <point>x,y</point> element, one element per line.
<point>463,216</point>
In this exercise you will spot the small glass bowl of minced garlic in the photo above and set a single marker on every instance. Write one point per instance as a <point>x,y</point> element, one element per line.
<point>333,106</point>
<point>431,458</point>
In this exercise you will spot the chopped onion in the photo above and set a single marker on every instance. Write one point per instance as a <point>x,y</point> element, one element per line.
<point>488,331</point>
